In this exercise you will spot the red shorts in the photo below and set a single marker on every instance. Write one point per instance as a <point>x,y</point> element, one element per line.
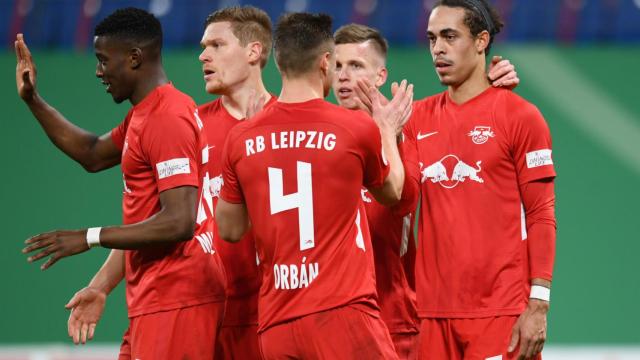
<point>238,342</point>
<point>406,345</point>
<point>342,333</point>
<point>187,333</point>
<point>467,339</point>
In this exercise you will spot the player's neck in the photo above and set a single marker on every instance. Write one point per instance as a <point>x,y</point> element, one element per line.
<point>470,88</point>
<point>152,79</point>
<point>301,89</point>
<point>238,100</point>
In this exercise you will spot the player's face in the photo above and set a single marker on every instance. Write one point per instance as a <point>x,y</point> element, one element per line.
<point>225,61</point>
<point>453,48</point>
<point>354,62</point>
<point>113,67</point>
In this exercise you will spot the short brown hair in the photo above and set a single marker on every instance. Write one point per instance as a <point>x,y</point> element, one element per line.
<point>248,24</point>
<point>357,34</point>
<point>300,38</point>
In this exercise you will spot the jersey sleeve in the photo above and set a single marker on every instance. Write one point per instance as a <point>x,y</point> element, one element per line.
<point>231,191</point>
<point>376,167</point>
<point>531,143</point>
<point>170,143</point>
<point>119,132</point>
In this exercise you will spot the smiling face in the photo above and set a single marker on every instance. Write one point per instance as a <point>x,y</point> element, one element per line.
<point>114,67</point>
<point>225,62</point>
<point>455,52</point>
<point>353,62</point>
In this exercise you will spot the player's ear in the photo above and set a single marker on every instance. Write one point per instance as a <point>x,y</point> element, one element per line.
<point>135,58</point>
<point>482,41</point>
<point>381,76</point>
<point>325,62</point>
<point>255,50</point>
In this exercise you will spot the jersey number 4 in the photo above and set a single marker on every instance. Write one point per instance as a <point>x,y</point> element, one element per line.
<point>301,200</point>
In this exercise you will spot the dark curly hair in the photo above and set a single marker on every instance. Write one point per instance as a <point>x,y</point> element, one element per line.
<point>132,24</point>
<point>299,39</point>
<point>479,16</point>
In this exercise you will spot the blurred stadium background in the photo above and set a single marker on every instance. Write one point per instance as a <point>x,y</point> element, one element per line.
<point>578,61</point>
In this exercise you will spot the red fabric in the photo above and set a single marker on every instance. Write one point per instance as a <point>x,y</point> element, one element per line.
<point>162,149</point>
<point>392,239</point>
<point>238,343</point>
<point>406,345</point>
<point>187,333</point>
<point>241,268</point>
<point>539,204</point>
<point>467,339</point>
<point>334,153</point>
<point>469,161</point>
<point>342,333</point>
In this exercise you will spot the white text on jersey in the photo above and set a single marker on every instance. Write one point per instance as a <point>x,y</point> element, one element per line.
<point>292,140</point>
<point>293,276</point>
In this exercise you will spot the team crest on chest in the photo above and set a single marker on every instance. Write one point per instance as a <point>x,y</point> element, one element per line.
<point>481,134</point>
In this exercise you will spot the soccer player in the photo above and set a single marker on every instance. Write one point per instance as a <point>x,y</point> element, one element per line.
<point>236,46</point>
<point>482,159</point>
<point>361,53</point>
<point>296,170</point>
<point>175,281</point>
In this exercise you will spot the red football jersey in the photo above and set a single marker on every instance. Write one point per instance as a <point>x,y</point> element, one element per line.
<point>299,168</point>
<point>240,259</point>
<point>163,148</point>
<point>394,256</point>
<point>470,160</point>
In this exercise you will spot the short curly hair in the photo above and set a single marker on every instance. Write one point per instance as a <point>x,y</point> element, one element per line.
<point>479,16</point>
<point>132,24</point>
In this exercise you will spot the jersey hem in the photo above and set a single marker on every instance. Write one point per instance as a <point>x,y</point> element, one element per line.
<point>176,305</point>
<point>471,314</point>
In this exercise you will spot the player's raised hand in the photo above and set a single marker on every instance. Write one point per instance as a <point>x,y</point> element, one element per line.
<point>391,115</point>
<point>502,73</point>
<point>25,70</point>
<point>86,308</point>
<point>256,104</point>
<point>530,331</point>
<point>58,244</point>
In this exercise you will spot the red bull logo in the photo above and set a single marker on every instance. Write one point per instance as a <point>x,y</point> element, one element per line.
<point>437,172</point>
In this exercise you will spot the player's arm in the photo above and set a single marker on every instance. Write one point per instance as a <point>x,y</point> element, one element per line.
<point>93,152</point>
<point>174,222</point>
<point>232,220</point>
<point>502,73</point>
<point>538,199</point>
<point>390,116</point>
<point>88,304</point>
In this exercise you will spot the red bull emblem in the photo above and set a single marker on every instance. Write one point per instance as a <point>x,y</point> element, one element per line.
<point>481,134</point>
<point>437,172</point>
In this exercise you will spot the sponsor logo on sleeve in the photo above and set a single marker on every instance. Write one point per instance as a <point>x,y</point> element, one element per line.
<point>539,158</point>
<point>173,167</point>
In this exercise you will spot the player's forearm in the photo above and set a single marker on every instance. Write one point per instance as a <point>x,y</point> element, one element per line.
<point>110,274</point>
<point>71,139</point>
<point>162,228</point>
<point>393,184</point>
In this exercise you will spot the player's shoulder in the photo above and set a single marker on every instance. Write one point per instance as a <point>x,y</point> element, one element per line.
<point>210,109</point>
<point>173,101</point>
<point>515,105</point>
<point>430,102</point>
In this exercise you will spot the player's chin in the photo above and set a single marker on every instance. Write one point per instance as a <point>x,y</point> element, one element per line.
<point>213,88</point>
<point>117,98</point>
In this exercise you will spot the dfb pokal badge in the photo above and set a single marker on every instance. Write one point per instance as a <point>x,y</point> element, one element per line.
<point>481,134</point>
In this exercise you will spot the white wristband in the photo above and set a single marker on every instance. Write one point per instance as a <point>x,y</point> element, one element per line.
<point>540,293</point>
<point>93,236</point>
